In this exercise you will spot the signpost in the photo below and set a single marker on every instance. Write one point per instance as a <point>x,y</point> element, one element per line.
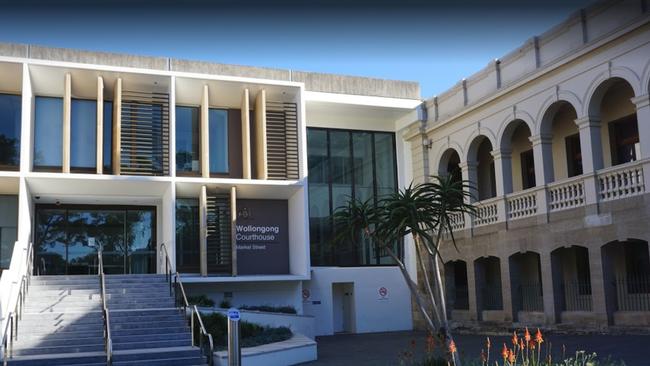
<point>234,347</point>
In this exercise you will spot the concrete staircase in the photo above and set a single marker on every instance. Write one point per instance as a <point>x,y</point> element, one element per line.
<point>62,323</point>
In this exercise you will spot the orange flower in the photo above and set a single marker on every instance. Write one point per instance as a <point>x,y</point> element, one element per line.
<point>522,345</point>
<point>538,337</point>
<point>488,344</point>
<point>511,357</point>
<point>531,344</point>
<point>515,340</point>
<point>527,335</point>
<point>452,347</point>
<point>504,352</point>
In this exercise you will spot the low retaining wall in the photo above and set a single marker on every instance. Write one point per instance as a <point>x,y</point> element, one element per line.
<point>293,351</point>
<point>303,324</point>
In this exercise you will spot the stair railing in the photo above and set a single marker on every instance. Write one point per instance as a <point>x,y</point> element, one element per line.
<point>108,342</point>
<point>199,334</point>
<point>10,331</point>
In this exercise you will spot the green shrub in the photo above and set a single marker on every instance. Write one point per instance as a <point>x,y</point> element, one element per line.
<point>200,300</point>
<point>251,334</point>
<point>225,304</point>
<point>271,309</point>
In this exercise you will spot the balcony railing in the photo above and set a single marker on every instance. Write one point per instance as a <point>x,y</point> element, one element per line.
<point>621,181</point>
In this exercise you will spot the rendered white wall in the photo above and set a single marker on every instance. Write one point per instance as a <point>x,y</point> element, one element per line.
<point>371,312</point>
<point>286,293</point>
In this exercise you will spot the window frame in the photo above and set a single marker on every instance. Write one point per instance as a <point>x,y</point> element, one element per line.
<point>227,173</point>
<point>46,168</point>
<point>329,259</point>
<point>182,173</point>
<point>15,168</point>
<point>83,170</point>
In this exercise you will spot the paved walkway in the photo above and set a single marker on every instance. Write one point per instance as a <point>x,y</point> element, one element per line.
<point>378,349</point>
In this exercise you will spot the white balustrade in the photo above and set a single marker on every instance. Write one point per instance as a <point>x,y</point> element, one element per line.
<point>565,195</point>
<point>457,221</point>
<point>522,204</point>
<point>486,213</point>
<point>621,181</point>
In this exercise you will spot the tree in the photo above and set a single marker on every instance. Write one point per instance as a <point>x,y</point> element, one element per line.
<point>425,212</point>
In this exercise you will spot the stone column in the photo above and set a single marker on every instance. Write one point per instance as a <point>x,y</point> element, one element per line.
<point>117,127</point>
<point>100,126</point>
<point>546,271</point>
<point>591,146</point>
<point>420,149</point>
<point>506,288</point>
<point>503,171</point>
<point>245,135</point>
<point>643,121</point>
<point>468,171</point>
<point>598,293</point>
<point>591,149</point>
<point>543,156</point>
<point>204,134</point>
<point>471,290</point>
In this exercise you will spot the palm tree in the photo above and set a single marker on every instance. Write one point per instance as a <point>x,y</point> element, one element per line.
<point>425,212</point>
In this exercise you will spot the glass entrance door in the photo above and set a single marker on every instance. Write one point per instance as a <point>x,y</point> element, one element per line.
<point>68,237</point>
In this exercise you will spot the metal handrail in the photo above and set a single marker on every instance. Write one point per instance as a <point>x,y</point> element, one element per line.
<point>10,331</point>
<point>182,303</point>
<point>108,342</point>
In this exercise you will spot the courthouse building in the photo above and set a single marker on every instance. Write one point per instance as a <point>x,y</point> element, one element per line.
<point>234,172</point>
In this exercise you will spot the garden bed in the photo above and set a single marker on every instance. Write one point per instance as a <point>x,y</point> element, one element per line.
<point>251,334</point>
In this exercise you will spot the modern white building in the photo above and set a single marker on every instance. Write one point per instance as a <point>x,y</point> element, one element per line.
<point>234,172</point>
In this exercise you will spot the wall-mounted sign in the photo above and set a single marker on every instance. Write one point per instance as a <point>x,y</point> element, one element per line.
<point>306,294</point>
<point>262,234</point>
<point>383,293</point>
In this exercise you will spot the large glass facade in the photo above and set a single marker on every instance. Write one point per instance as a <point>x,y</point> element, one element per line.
<point>346,165</point>
<point>48,133</point>
<point>8,229</point>
<point>187,140</point>
<point>187,235</point>
<point>67,239</point>
<point>10,113</point>
<point>218,132</point>
<point>108,137</point>
<point>83,135</point>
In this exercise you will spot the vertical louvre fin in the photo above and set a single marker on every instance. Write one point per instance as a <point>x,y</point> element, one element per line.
<point>282,140</point>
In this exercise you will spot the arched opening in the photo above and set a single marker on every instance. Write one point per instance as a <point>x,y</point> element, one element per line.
<point>626,273</point>
<point>480,152</point>
<point>612,105</point>
<point>487,271</point>
<point>526,286</point>
<point>559,123</point>
<point>571,281</point>
<point>456,286</point>
<point>516,139</point>
<point>450,165</point>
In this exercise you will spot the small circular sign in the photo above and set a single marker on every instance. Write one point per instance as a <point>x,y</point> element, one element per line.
<point>305,293</point>
<point>383,291</point>
<point>233,314</point>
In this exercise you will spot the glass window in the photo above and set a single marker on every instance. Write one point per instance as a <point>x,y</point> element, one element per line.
<point>8,225</point>
<point>343,165</point>
<point>218,137</point>
<point>187,235</point>
<point>10,112</point>
<point>83,135</point>
<point>48,133</point>
<point>187,140</point>
<point>108,137</point>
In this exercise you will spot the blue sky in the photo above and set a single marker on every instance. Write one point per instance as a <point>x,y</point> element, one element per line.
<point>434,43</point>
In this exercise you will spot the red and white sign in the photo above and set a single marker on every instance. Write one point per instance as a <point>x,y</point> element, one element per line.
<point>383,292</point>
<point>305,294</point>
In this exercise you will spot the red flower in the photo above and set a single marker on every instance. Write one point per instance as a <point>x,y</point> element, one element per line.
<point>504,352</point>
<point>538,337</point>
<point>522,345</point>
<point>452,347</point>
<point>488,344</point>
<point>527,335</point>
<point>515,340</point>
<point>531,344</point>
<point>511,356</point>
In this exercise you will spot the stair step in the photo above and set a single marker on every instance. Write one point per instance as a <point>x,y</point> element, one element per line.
<point>92,358</point>
<point>145,318</point>
<point>152,337</point>
<point>60,342</point>
<point>155,354</point>
<point>152,344</point>
<point>180,361</point>
<point>128,313</point>
<point>59,350</point>
<point>138,325</point>
<point>149,331</point>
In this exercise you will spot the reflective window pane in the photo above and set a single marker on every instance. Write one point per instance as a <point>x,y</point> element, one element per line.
<point>83,135</point>
<point>385,164</point>
<point>108,137</point>
<point>187,235</point>
<point>8,226</point>
<point>363,166</point>
<point>141,248</point>
<point>50,245</point>
<point>218,136</point>
<point>187,139</point>
<point>10,112</point>
<point>319,202</point>
<point>48,132</point>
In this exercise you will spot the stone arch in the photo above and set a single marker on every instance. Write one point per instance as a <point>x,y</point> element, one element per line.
<point>481,169</point>
<point>449,156</point>
<point>471,144</point>
<point>507,127</point>
<point>599,86</point>
<point>441,154</point>
<point>562,96</point>
<point>646,78</point>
